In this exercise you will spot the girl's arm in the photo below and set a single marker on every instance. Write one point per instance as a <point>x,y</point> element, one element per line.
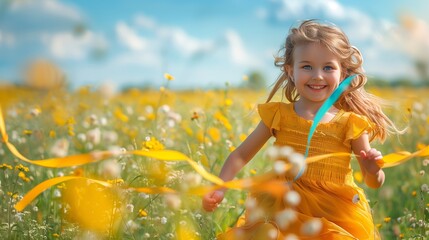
<point>236,161</point>
<point>367,156</point>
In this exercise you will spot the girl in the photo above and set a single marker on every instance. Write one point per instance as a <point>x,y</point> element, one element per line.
<point>317,57</point>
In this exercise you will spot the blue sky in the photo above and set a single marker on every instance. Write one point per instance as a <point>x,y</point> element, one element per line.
<point>202,43</point>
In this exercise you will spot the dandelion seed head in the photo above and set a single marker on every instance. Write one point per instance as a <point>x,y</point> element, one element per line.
<point>163,220</point>
<point>285,217</point>
<point>292,198</point>
<point>279,167</point>
<point>173,201</point>
<point>312,227</point>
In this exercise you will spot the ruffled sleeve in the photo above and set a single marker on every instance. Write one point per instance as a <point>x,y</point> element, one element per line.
<point>270,115</point>
<point>358,125</point>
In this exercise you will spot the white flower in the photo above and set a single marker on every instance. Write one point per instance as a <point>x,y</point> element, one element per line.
<point>292,198</point>
<point>94,136</point>
<point>173,201</point>
<point>279,167</point>
<point>111,169</point>
<point>163,220</point>
<point>130,207</point>
<point>285,217</point>
<point>272,152</point>
<point>312,227</point>
<point>285,151</point>
<point>424,188</point>
<point>60,148</point>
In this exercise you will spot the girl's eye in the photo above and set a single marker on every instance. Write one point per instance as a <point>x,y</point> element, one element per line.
<point>307,67</point>
<point>328,68</point>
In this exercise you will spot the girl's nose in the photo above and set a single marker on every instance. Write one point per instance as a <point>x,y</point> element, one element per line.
<point>317,74</point>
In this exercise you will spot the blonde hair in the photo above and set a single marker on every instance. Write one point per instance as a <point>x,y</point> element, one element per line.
<point>355,98</point>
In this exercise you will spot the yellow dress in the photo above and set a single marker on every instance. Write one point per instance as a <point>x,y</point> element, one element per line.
<point>331,205</point>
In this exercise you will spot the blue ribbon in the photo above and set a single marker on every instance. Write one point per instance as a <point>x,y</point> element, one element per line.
<point>322,110</point>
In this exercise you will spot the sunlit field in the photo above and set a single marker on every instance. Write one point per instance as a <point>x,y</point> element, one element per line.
<point>144,197</point>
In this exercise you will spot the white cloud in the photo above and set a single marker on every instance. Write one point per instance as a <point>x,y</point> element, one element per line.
<point>130,38</point>
<point>66,45</point>
<point>238,53</point>
<point>145,22</point>
<point>47,7</point>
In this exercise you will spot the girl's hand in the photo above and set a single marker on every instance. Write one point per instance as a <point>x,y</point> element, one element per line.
<point>212,199</point>
<point>368,160</point>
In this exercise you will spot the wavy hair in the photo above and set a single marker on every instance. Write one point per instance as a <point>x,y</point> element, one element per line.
<point>355,98</point>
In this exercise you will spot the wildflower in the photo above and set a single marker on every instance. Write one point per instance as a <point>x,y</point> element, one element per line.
<point>111,169</point>
<point>387,219</point>
<point>22,168</point>
<point>228,102</point>
<point>27,132</point>
<point>424,188</point>
<point>55,235</point>
<point>214,134</point>
<point>35,111</point>
<point>151,143</point>
<point>23,177</point>
<point>292,198</point>
<point>252,171</point>
<point>142,213</point>
<point>163,220</point>
<point>52,134</point>
<point>4,166</point>
<point>414,193</point>
<point>279,167</point>
<point>60,148</point>
<point>245,78</point>
<point>422,172</point>
<point>378,225</point>
<point>173,201</point>
<point>130,207</point>
<point>285,217</point>
<point>168,76</point>
<point>425,162</point>
<point>312,227</point>
<point>94,136</point>
<point>358,176</point>
<point>195,116</point>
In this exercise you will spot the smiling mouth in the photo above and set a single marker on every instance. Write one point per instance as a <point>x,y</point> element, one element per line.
<point>317,87</point>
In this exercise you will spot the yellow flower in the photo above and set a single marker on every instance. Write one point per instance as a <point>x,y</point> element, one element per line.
<point>414,193</point>
<point>4,166</point>
<point>252,171</point>
<point>152,143</point>
<point>55,235</point>
<point>245,78</point>
<point>118,181</point>
<point>142,213</point>
<point>22,168</point>
<point>168,76</point>
<point>358,176</point>
<point>214,134</point>
<point>378,225</point>
<point>228,102</point>
<point>387,219</point>
<point>27,132</point>
<point>52,134</point>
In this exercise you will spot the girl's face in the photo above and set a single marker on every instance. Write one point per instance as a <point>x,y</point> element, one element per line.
<point>316,72</point>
